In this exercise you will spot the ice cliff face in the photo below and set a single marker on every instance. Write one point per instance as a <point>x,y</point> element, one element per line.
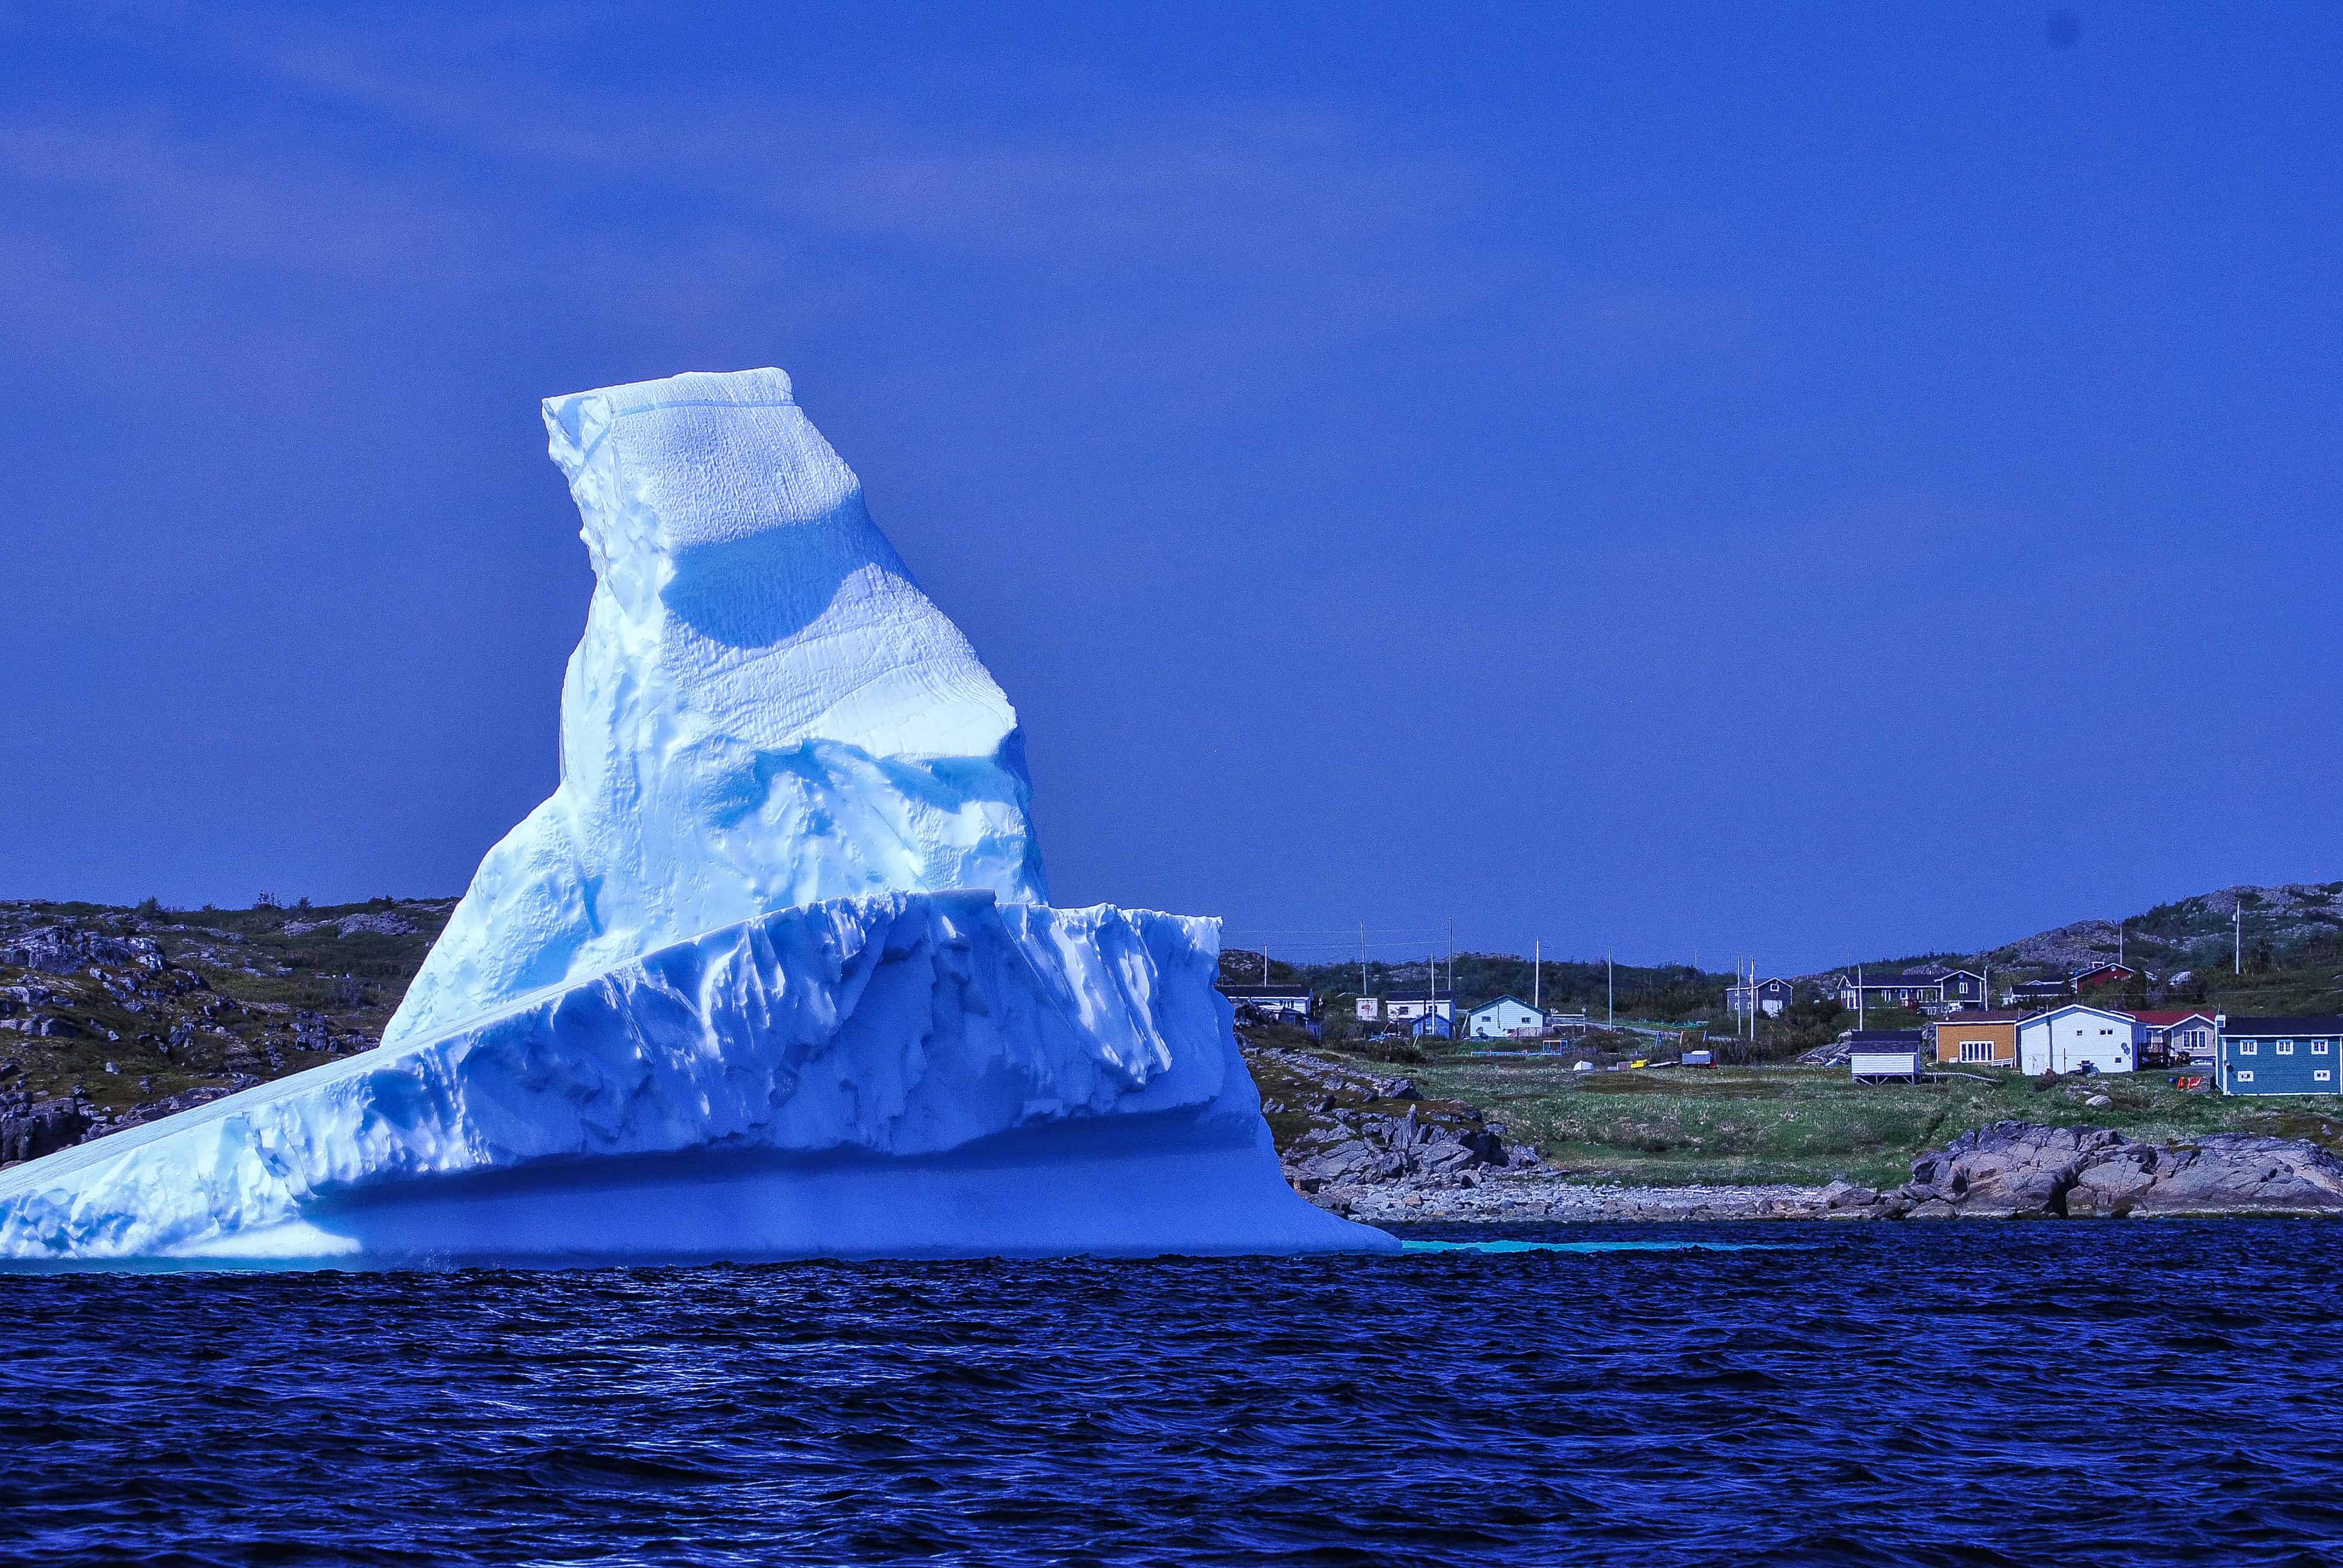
<point>765,709</point>
<point>731,1096</point>
<point>772,973</point>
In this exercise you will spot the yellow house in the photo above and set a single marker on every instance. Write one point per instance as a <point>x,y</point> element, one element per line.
<point>1980,1039</point>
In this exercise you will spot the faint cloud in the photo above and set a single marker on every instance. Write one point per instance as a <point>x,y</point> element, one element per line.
<point>196,199</point>
<point>1125,235</point>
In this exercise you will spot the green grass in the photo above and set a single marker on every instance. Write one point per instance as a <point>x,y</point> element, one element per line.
<point>245,957</point>
<point>1810,1125</point>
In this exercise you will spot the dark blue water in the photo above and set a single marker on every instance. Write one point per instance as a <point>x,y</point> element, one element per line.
<point>2078,1394</point>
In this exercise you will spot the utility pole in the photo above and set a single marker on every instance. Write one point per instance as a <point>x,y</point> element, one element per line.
<point>1362,958</point>
<point>1264,963</point>
<point>1858,998</point>
<point>1537,974</point>
<point>1610,1008</point>
<point>2237,923</point>
<point>1452,959</point>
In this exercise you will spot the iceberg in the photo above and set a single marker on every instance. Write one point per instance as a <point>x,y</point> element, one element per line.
<point>765,710</point>
<point>773,973</point>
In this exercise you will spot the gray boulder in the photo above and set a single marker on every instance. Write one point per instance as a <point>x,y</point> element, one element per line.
<point>2236,1173</point>
<point>2015,1170</point>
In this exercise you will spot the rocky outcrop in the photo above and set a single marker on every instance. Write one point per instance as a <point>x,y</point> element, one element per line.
<point>1340,1131</point>
<point>62,950</point>
<point>1366,1149</point>
<point>2016,1170</point>
<point>384,925</point>
<point>30,1129</point>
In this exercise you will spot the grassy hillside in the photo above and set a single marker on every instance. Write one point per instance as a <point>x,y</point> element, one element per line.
<point>238,996</point>
<point>1811,1124</point>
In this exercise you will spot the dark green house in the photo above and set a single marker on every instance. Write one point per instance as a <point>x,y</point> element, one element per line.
<point>2279,1055</point>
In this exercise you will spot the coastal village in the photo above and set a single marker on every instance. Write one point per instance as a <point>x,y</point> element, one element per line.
<point>2038,1026</point>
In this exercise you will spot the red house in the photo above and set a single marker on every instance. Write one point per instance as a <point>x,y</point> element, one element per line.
<point>2105,975</point>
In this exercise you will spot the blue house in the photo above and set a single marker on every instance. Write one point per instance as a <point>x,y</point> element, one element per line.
<point>1433,1026</point>
<point>2279,1055</point>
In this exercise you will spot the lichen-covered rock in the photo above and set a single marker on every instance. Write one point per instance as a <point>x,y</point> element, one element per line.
<point>2236,1173</point>
<point>2015,1170</point>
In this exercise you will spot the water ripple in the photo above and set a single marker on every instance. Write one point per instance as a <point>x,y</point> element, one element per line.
<point>1969,1394</point>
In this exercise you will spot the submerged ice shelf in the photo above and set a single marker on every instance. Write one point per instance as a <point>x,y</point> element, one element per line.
<point>773,971</point>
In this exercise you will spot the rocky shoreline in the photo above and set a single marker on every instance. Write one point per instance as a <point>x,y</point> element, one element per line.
<point>1374,1150</point>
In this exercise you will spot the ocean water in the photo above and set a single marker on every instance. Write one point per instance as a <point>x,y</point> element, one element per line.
<point>2079,1393</point>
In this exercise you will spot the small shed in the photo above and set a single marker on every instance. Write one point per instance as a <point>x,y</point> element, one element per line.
<point>1880,1064</point>
<point>1432,1026</point>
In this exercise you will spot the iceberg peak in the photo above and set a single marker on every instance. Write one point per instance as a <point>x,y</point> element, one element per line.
<point>764,712</point>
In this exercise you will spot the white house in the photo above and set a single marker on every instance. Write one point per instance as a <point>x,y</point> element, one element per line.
<point>1274,1001</point>
<point>2071,1038</point>
<point>1402,1006</point>
<point>1507,1017</point>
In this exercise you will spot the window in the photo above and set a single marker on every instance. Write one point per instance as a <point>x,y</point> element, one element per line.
<point>1977,1050</point>
<point>2245,1075</point>
<point>2286,1047</point>
<point>2250,1047</point>
<point>2319,1047</point>
<point>2322,1076</point>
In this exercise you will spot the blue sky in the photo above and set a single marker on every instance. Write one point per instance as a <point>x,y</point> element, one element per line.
<point>1826,482</point>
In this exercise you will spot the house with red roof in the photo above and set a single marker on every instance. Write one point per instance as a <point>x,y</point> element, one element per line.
<point>2183,1037</point>
<point>2105,975</point>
